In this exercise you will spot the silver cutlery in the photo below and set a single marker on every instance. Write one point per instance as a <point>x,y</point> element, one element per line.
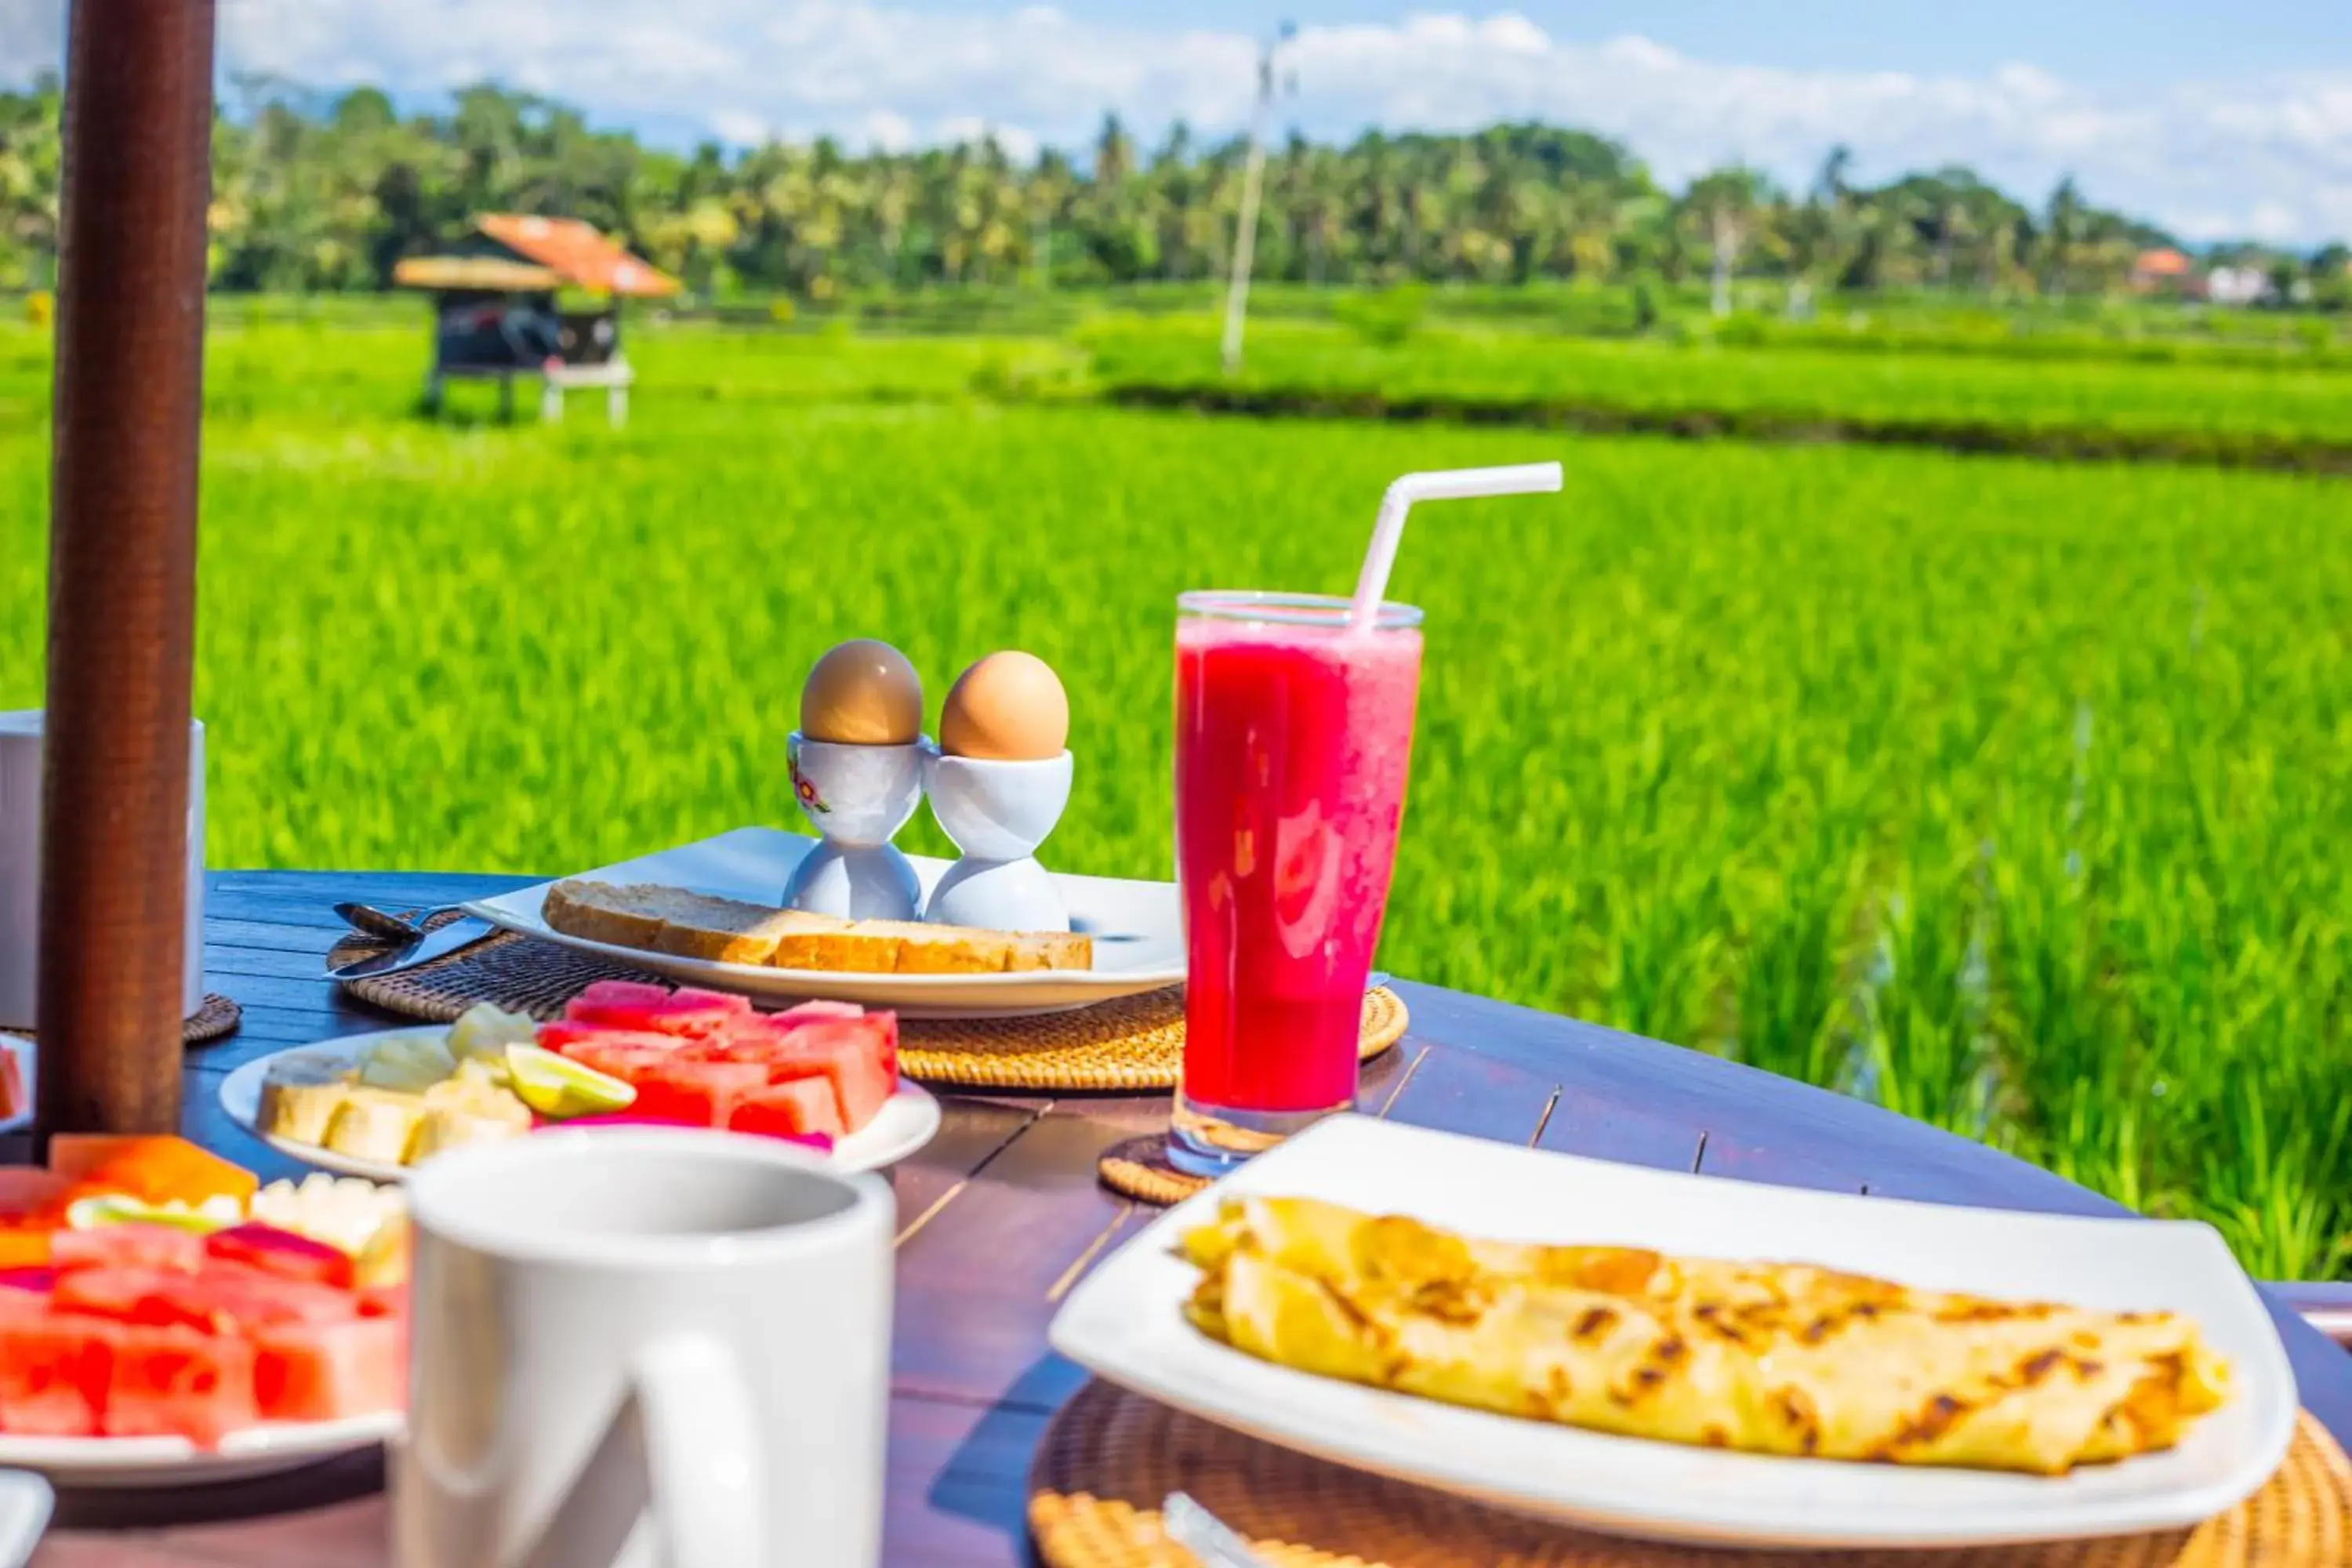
<point>1204,1535</point>
<point>424,947</point>
<point>380,923</point>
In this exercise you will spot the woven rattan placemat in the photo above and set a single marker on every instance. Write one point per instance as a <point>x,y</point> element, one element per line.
<point>215,1018</point>
<point>1135,1044</point>
<point>518,973</point>
<point>1111,1456</point>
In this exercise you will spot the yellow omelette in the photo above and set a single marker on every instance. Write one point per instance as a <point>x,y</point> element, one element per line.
<point>1770,1358</point>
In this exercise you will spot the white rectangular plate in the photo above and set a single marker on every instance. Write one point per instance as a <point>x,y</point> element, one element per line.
<point>1137,930</point>
<point>1123,1322</point>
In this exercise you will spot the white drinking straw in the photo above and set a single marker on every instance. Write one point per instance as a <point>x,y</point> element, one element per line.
<point>1445,484</point>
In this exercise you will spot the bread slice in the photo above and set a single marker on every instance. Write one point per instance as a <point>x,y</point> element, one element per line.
<point>730,931</point>
<point>940,950</point>
<point>838,946</point>
<point>622,914</point>
<point>655,919</point>
<point>1053,950</point>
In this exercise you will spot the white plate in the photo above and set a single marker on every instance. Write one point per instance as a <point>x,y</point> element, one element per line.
<point>176,1462</point>
<point>905,1123</point>
<point>1137,930</point>
<point>1123,1322</point>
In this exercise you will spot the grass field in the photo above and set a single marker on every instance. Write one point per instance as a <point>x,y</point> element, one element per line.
<point>1491,373</point>
<point>2011,795</point>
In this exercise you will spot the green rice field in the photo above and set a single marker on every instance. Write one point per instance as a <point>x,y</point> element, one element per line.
<point>2014,795</point>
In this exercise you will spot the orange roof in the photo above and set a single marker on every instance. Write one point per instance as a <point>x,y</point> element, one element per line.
<point>575,249</point>
<point>2162,263</point>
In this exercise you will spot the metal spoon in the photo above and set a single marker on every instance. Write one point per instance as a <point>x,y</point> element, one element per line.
<point>384,924</point>
<point>1204,1535</point>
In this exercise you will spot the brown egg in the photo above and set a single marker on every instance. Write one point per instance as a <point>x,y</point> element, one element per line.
<point>1010,707</point>
<point>863,693</point>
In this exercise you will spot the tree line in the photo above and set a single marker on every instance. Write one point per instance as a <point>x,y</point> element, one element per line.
<point>316,192</point>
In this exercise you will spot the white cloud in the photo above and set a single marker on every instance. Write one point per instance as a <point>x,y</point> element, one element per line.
<point>2270,156</point>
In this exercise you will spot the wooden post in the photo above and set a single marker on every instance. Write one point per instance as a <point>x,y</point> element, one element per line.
<point>122,563</point>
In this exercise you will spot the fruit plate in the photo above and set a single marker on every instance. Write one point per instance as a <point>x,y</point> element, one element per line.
<point>1136,926</point>
<point>175,1462</point>
<point>906,1122</point>
<point>1125,1321</point>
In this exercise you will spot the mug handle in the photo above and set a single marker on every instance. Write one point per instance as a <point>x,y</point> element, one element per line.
<point>702,1452</point>
<point>680,1457</point>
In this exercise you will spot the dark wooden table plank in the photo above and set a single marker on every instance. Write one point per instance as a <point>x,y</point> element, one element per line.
<point>1002,1213</point>
<point>978,1283</point>
<point>1452,1090</point>
<point>1744,1160</point>
<point>1584,1123</point>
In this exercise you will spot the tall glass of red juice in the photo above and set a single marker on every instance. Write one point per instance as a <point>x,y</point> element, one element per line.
<point>1293,736</point>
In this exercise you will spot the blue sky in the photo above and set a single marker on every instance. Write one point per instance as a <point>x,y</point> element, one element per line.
<point>2217,119</point>
<point>2106,42</point>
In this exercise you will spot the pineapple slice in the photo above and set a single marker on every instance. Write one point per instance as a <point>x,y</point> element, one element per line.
<point>301,1094</point>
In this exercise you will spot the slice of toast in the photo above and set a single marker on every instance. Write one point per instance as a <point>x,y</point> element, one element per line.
<point>1053,950</point>
<point>728,930</point>
<point>838,946</point>
<point>940,950</point>
<point>622,914</point>
<point>655,919</point>
<point>652,918</point>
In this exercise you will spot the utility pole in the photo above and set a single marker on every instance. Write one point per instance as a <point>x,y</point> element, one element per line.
<point>1253,183</point>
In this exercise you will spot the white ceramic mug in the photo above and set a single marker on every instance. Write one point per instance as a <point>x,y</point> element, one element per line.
<point>20,870</point>
<point>642,1345</point>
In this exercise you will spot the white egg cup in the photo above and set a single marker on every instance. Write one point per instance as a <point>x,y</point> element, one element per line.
<point>856,797</point>
<point>998,813</point>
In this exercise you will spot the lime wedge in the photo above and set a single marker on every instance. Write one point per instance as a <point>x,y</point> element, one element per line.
<point>115,1208</point>
<point>557,1087</point>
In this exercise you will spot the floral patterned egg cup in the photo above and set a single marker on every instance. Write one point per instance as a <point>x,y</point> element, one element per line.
<point>998,813</point>
<point>857,798</point>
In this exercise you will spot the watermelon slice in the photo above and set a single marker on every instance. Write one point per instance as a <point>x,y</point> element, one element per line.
<point>801,1107</point>
<point>619,993</point>
<point>280,1252</point>
<point>326,1372</point>
<point>174,1382</point>
<point>615,1058</point>
<point>858,1057</point>
<point>819,1010</point>
<point>53,1375</point>
<point>697,1093</point>
<point>226,1297</point>
<point>563,1037</point>
<point>131,1246</point>
<point>622,1004</point>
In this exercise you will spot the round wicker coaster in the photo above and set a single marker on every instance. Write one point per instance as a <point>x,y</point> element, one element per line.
<point>1110,1458</point>
<point>1135,1044</point>
<point>217,1017</point>
<point>1139,1168</point>
<point>514,972</point>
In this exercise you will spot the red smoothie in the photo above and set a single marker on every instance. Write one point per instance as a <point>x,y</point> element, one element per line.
<point>1293,736</point>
